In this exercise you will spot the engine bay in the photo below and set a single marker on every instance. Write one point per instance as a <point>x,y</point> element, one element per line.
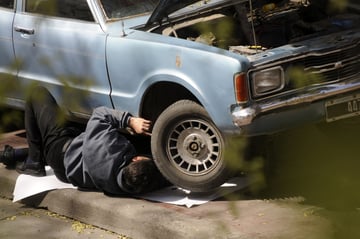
<point>253,26</point>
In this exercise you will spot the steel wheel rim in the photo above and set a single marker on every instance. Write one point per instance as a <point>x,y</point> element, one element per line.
<point>194,147</point>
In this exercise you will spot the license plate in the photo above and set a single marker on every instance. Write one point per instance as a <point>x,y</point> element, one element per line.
<point>342,108</point>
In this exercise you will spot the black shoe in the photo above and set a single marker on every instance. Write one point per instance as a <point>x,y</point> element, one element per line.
<point>34,169</point>
<point>10,156</point>
<point>7,156</point>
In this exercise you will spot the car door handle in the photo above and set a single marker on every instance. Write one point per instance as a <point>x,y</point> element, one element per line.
<point>24,30</point>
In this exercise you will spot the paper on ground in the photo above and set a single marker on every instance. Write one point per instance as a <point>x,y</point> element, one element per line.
<point>27,186</point>
<point>178,196</point>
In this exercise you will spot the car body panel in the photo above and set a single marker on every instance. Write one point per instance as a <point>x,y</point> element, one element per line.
<point>47,56</point>
<point>124,27</point>
<point>170,60</point>
<point>7,58</point>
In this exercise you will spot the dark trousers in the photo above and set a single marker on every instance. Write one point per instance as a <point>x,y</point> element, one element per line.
<point>44,131</point>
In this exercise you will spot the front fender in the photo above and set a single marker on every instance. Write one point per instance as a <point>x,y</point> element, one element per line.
<point>142,59</point>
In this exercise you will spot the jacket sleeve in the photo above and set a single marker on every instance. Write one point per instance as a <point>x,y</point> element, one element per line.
<point>111,117</point>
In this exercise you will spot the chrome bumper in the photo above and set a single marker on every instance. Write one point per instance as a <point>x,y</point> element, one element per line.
<point>243,116</point>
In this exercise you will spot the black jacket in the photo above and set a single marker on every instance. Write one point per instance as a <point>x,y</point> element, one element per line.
<point>94,158</point>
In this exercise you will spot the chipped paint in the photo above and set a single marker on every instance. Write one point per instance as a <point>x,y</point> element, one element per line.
<point>178,61</point>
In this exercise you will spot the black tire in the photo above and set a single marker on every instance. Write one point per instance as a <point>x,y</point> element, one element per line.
<point>188,148</point>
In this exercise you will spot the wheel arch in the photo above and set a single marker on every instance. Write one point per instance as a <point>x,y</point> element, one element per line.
<point>162,94</point>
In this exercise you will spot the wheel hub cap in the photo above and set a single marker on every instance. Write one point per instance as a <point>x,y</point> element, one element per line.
<point>194,147</point>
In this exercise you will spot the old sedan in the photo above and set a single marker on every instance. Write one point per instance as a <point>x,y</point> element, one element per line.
<point>200,70</point>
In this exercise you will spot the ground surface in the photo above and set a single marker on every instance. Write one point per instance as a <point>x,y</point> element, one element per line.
<point>18,221</point>
<point>312,191</point>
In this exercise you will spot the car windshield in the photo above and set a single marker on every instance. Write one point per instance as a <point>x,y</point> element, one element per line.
<point>115,9</point>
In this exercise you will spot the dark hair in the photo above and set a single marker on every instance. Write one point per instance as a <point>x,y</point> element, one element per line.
<point>142,176</point>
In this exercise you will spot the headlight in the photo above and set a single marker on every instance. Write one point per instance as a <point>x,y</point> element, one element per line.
<point>267,81</point>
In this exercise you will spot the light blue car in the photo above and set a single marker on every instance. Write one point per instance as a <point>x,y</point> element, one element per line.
<point>200,70</point>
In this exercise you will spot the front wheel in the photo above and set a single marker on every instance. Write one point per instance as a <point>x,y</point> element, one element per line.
<point>188,148</point>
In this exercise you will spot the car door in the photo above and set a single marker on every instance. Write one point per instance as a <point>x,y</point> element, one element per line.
<point>61,46</point>
<point>7,59</point>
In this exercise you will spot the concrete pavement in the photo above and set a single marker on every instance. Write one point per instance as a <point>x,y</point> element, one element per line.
<point>219,219</point>
<point>136,218</point>
<point>18,221</point>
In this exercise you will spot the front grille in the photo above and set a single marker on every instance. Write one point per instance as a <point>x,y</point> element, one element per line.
<point>334,66</point>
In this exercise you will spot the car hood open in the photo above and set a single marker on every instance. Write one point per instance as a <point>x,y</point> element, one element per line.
<point>167,7</point>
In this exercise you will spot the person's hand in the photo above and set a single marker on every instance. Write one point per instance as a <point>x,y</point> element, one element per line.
<point>140,125</point>
<point>139,158</point>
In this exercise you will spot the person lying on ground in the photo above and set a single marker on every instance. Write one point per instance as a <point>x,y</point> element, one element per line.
<point>99,158</point>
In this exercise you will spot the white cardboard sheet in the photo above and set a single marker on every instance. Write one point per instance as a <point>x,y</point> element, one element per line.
<point>27,186</point>
<point>178,196</point>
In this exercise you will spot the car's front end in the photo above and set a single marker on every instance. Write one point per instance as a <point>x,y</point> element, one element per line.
<point>302,54</point>
<point>305,82</point>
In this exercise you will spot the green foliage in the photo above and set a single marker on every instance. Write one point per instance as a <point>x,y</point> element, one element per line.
<point>234,155</point>
<point>45,7</point>
<point>9,82</point>
<point>245,157</point>
<point>303,79</point>
<point>10,119</point>
<point>222,29</point>
<point>74,92</point>
<point>337,5</point>
<point>317,162</point>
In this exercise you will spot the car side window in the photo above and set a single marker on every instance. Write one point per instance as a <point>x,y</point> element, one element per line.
<point>7,3</point>
<point>78,9</point>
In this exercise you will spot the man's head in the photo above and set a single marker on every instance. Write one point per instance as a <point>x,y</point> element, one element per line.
<point>141,176</point>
